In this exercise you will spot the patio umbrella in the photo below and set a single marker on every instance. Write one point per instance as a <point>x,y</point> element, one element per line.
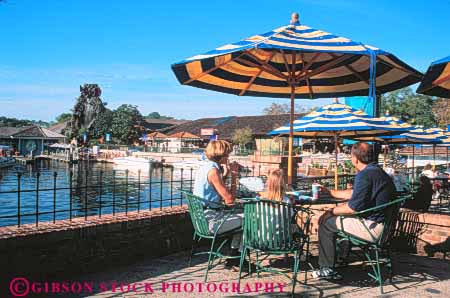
<point>338,120</point>
<point>296,61</point>
<point>436,81</point>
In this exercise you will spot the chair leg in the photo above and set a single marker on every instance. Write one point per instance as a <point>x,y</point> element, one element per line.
<point>294,277</point>
<point>192,250</point>
<point>209,259</point>
<point>378,274</point>
<point>257,264</point>
<point>307,260</point>
<point>241,263</point>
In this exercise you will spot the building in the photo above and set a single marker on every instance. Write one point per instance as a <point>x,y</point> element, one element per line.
<point>29,140</point>
<point>225,128</point>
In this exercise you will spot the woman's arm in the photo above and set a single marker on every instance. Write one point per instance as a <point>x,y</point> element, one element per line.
<point>215,178</point>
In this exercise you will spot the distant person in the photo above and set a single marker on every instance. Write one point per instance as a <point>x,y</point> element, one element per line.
<point>422,197</point>
<point>428,171</point>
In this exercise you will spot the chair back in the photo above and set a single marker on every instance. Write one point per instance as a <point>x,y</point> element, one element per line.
<point>391,213</point>
<point>196,211</point>
<point>267,225</point>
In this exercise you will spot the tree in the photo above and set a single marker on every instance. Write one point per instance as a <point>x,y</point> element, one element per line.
<point>414,108</point>
<point>126,123</point>
<point>156,115</point>
<point>63,117</point>
<point>442,112</point>
<point>102,124</point>
<point>242,136</point>
<point>277,109</point>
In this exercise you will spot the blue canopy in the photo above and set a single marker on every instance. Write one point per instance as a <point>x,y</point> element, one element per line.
<point>317,63</point>
<point>342,120</point>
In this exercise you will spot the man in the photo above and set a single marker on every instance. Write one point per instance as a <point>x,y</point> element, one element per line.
<point>372,187</point>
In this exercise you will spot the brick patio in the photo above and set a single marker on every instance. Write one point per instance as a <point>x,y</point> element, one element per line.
<point>415,276</point>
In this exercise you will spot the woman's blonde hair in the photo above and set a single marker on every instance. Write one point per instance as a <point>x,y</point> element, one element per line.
<point>216,150</point>
<point>275,186</point>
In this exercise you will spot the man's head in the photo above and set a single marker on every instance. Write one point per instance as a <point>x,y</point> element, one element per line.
<point>295,18</point>
<point>362,155</point>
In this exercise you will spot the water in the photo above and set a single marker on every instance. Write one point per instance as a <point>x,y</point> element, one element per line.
<point>97,188</point>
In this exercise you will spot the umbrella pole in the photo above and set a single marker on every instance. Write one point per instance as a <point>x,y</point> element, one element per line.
<point>336,157</point>
<point>413,168</point>
<point>384,158</point>
<point>291,137</point>
<point>434,157</point>
<point>447,159</point>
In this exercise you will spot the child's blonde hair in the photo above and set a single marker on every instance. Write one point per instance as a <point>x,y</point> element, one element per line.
<point>275,186</point>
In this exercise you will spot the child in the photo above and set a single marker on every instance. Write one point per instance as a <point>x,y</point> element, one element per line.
<point>275,188</point>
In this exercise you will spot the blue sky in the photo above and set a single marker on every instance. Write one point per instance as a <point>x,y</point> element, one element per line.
<point>49,48</point>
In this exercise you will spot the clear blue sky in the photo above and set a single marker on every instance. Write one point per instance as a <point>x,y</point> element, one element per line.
<point>48,48</point>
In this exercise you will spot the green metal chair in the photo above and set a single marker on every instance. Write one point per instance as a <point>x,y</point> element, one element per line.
<point>201,231</point>
<point>372,251</point>
<point>267,231</point>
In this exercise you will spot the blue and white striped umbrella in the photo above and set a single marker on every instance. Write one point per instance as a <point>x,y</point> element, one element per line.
<point>317,63</point>
<point>296,61</point>
<point>340,120</point>
<point>436,81</point>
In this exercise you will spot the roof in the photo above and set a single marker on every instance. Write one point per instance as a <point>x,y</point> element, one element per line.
<point>166,121</point>
<point>6,132</point>
<point>226,126</point>
<point>29,132</point>
<point>156,135</point>
<point>59,127</point>
<point>183,135</point>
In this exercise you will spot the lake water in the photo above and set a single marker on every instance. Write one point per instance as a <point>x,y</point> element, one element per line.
<point>96,187</point>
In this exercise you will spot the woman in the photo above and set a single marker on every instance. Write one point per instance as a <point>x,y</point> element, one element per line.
<point>209,185</point>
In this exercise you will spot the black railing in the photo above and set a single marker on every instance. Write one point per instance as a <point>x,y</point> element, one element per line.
<point>89,193</point>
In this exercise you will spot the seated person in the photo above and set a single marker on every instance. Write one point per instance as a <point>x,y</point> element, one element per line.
<point>428,171</point>
<point>422,197</point>
<point>399,181</point>
<point>209,184</point>
<point>372,187</point>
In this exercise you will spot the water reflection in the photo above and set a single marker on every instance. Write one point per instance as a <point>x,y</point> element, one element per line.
<point>59,191</point>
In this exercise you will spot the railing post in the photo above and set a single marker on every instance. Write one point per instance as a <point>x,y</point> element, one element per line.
<point>161,188</point>
<point>181,186</point>
<point>171,187</point>
<point>86,194</point>
<point>126,192</point>
<point>100,193</point>
<point>191,178</point>
<point>55,174</point>
<point>150,174</point>
<point>114,193</point>
<point>38,174</point>
<point>19,175</point>
<point>70,193</point>
<point>139,191</point>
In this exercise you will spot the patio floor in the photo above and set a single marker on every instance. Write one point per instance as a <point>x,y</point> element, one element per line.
<point>415,276</point>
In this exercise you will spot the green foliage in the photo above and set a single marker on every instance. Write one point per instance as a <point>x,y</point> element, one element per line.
<point>13,122</point>
<point>277,109</point>
<point>102,124</point>
<point>156,115</point>
<point>242,136</point>
<point>414,108</point>
<point>63,117</point>
<point>127,124</point>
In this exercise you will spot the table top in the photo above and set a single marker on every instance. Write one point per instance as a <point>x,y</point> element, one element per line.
<point>305,198</point>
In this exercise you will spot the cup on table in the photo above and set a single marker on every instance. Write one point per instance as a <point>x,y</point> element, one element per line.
<point>316,190</point>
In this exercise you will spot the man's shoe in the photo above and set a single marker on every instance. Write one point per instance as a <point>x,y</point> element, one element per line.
<point>326,273</point>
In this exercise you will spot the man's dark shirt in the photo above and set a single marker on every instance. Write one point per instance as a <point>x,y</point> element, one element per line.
<point>372,187</point>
